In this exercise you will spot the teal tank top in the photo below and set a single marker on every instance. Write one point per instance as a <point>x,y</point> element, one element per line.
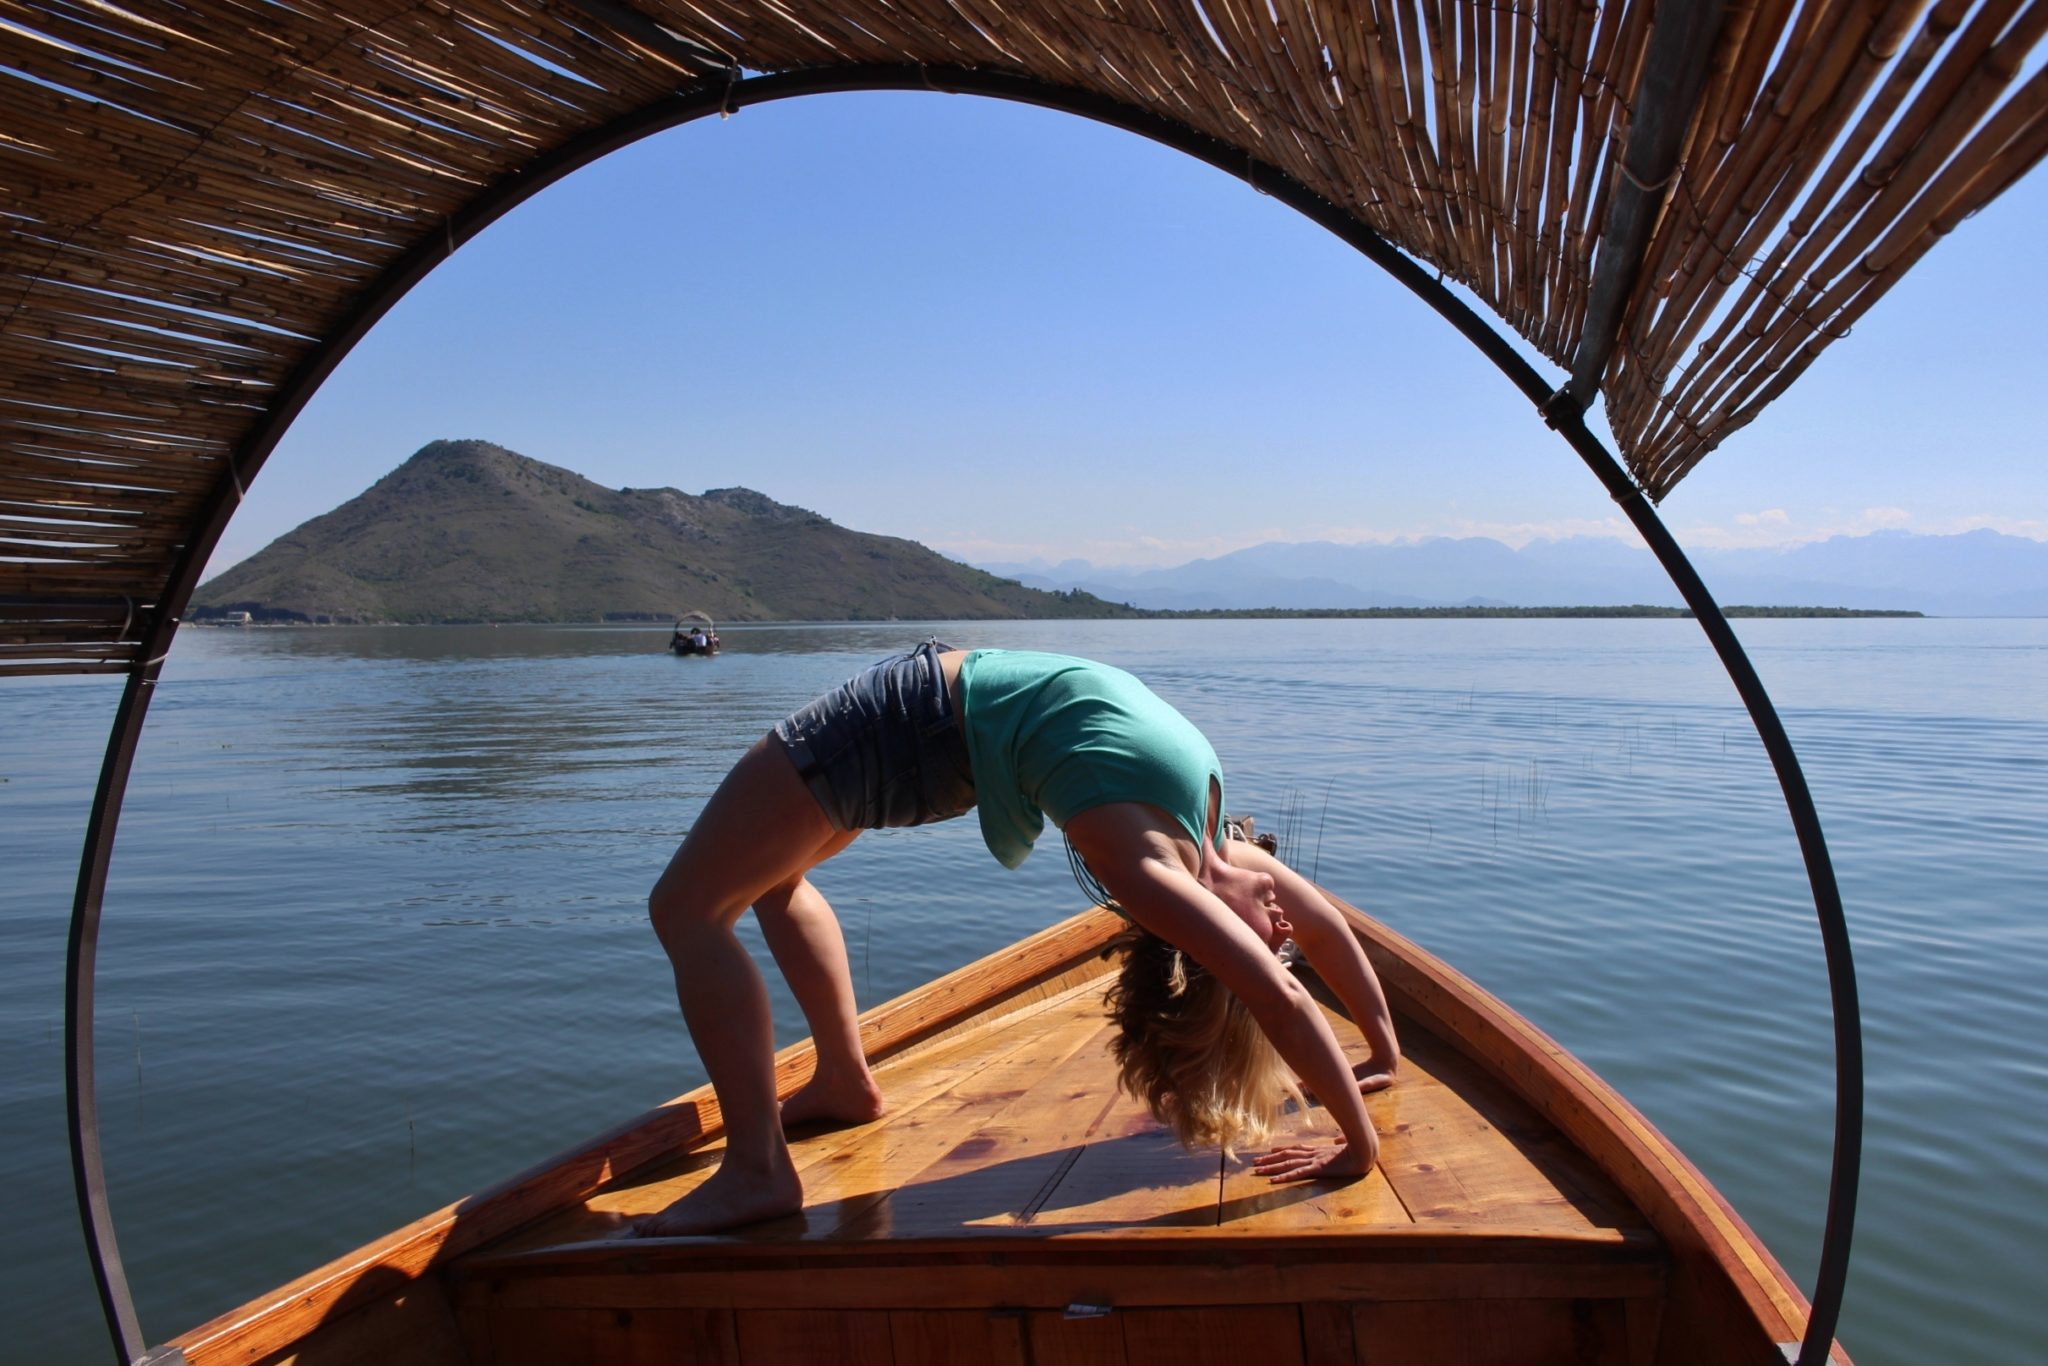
<point>1052,735</point>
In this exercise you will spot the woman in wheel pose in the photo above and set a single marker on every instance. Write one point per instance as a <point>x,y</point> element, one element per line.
<point>1212,1028</point>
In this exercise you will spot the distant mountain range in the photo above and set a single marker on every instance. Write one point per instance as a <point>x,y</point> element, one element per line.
<point>469,531</point>
<point>1976,573</point>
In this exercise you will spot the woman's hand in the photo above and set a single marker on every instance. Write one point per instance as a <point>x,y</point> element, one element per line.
<point>1312,1162</point>
<point>1373,1075</point>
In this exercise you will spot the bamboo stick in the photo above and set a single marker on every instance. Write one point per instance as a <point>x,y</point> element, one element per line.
<point>42,670</point>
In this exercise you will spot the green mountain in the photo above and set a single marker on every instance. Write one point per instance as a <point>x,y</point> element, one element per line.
<point>469,531</point>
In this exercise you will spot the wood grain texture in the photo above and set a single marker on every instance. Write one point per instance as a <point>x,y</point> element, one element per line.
<point>1010,1174</point>
<point>617,1337</point>
<point>1547,1332</point>
<point>271,1324</point>
<point>1719,1258</point>
<point>1227,1336</point>
<point>950,1337</point>
<point>845,1338</point>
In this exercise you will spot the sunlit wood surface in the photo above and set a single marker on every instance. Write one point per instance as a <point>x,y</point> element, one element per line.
<point>1014,1206</point>
<point>1018,1127</point>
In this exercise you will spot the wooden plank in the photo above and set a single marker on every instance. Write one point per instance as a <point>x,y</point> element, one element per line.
<point>1127,1268</point>
<point>1449,1154</point>
<point>1132,1172</point>
<point>1547,1332</point>
<point>841,1337</point>
<point>828,1160</point>
<point>1269,1335</point>
<point>1327,1335</point>
<point>414,1325</point>
<point>662,1337</point>
<point>616,1337</point>
<point>1455,1146</point>
<point>1058,1340</point>
<point>271,1323</point>
<point>977,1162</point>
<point>1252,1203</point>
<point>1220,1277</point>
<point>1644,1318</point>
<point>855,1191</point>
<point>848,1172</point>
<point>956,1338</point>
<point>539,1337</point>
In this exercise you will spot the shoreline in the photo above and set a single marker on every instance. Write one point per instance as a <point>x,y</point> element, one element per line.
<point>1638,611</point>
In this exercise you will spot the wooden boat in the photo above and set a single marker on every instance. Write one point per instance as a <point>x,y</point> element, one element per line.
<point>1012,1206</point>
<point>687,625</point>
<point>1680,207</point>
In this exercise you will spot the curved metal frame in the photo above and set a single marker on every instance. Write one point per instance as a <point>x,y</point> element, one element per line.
<point>1557,405</point>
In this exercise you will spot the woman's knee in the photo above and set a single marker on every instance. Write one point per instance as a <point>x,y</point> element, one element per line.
<point>680,907</point>
<point>677,910</point>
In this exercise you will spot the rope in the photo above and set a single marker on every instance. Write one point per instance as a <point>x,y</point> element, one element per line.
<point>1630,177</point>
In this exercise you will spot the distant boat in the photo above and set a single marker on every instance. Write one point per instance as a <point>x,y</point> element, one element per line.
<point>694,634</point>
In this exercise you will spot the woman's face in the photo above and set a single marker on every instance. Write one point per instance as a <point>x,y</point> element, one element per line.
<point>1251,896</point>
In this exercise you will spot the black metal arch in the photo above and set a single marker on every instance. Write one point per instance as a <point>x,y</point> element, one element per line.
<point>1559,407</point>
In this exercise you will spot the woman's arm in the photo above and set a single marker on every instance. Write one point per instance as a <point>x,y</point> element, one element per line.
<point>1333,951</point>
<point>1134,853</point>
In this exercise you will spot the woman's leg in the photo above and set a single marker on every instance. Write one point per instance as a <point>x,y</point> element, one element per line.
<point>805,938</point>
<point>762,830</point>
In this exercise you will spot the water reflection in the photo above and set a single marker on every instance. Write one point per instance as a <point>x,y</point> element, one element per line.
<point>468,644</point>
<point>475,719</point>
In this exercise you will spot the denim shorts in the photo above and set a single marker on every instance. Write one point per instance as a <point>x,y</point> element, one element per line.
<point>885,748</point>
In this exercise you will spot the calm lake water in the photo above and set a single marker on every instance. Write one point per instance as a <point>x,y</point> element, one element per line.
<point>374,933</point>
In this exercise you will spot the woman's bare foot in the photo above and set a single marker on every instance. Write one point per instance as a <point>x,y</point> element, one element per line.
<point>840,1099</point>
<point>734,1196</point>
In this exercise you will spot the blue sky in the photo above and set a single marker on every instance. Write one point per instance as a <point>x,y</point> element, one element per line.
<point>1009,333</point>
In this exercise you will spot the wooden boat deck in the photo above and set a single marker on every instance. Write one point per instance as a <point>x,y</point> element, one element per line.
<point>1011,1171</point>
<point>1018,1128</point>
<point>1013,1208</point>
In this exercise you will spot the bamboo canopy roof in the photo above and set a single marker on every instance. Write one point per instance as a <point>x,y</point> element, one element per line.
<point>205,201</point>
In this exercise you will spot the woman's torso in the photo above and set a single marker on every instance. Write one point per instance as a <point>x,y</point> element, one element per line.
<point>1053,736</point>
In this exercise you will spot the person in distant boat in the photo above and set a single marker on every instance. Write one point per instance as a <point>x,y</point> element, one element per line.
<point>699,639</point>
<point>1213,1031</point>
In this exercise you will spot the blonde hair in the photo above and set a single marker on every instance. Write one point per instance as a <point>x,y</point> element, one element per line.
<point>1192,1051</point>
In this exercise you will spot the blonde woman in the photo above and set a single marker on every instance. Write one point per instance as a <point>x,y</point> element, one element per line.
<point>1213,1030</point>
